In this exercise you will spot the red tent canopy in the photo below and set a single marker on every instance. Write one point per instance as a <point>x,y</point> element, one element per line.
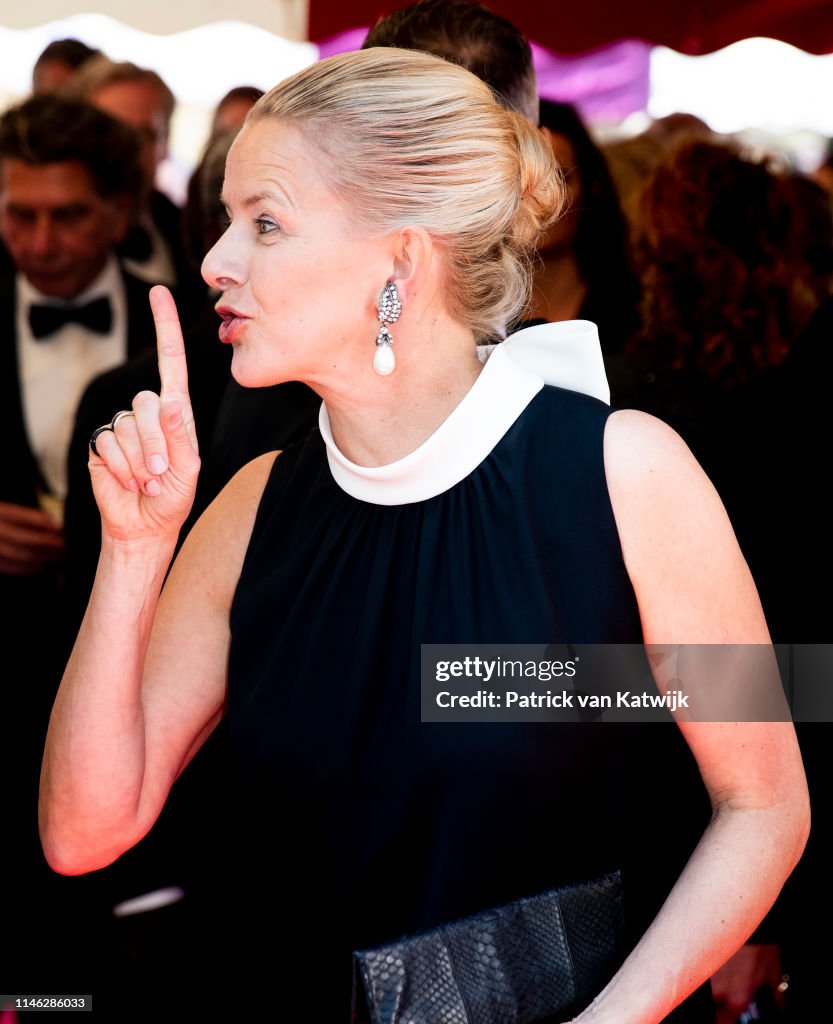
<point>690,26</point>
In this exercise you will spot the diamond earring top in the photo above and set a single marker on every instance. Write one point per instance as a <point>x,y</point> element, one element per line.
<point>390,308</point>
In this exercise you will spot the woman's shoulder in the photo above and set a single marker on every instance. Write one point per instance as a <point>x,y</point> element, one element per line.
<point>657,488</point>
<point>648,465</point>
<point>680,550</point>
<point>638,438</point>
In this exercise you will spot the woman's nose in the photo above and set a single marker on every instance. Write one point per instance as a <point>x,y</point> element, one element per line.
<point>221,268</point>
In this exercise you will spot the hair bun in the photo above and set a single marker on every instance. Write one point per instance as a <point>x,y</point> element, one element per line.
<point>541,184</point>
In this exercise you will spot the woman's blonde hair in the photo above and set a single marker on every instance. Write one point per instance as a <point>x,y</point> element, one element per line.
<point>410,139</point>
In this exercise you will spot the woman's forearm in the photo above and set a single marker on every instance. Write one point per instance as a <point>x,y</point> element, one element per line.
<point>94,760</point>
<point>730,882</point>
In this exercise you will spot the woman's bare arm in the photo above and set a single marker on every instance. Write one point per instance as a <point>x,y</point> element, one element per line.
<point>694,587</point>
<point>145,684</point>
<point>146,681</point>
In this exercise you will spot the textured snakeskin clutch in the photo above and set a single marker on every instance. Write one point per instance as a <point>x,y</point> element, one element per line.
<point>539,959</point>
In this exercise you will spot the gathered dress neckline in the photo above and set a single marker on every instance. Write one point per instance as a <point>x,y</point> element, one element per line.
<point>566,354</point>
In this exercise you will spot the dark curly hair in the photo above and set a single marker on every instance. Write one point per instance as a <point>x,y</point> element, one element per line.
<point>50,129</point>
<point>724,293</point>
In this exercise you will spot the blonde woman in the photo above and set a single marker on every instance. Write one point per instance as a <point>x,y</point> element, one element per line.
<point>381,205</point>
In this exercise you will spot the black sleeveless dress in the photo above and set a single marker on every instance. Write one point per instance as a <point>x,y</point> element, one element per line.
<point>358,822</point>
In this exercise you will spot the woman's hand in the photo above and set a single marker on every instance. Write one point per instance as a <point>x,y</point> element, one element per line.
<point>145,473</point>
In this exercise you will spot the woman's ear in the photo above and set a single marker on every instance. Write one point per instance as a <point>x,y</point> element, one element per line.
<point>413,260</point>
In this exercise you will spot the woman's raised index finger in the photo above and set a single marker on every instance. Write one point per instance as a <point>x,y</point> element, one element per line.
<point>170,348</point>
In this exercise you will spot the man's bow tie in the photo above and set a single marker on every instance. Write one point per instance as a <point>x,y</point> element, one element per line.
<point>96,315</point>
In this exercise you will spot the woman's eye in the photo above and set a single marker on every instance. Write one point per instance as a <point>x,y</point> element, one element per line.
<point>264,225</point>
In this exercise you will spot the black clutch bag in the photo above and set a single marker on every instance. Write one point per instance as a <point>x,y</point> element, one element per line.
<point>537,960</point>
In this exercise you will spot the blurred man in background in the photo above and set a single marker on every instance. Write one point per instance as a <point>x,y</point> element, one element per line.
<point>58,64</point>
<point>153,249</point>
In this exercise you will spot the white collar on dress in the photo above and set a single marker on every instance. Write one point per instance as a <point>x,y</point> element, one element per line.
<point>566,354</point>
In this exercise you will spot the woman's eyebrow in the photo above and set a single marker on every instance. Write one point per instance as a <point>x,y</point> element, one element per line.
<point>276,195</point>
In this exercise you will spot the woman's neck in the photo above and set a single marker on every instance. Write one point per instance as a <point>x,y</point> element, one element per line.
<point>378,420</point>
<point>558,291</point>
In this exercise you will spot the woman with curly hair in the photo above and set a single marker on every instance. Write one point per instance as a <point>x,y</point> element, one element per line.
<point>729,281</point>
<point>725,293</point>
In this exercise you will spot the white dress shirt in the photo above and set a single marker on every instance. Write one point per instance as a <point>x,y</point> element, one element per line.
<point>54,371</point>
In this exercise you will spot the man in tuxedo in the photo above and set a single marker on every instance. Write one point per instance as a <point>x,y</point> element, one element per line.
<point>70,176</point>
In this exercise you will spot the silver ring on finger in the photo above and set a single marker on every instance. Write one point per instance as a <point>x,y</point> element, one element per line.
<point>120,416</point>
<point>94,438</point>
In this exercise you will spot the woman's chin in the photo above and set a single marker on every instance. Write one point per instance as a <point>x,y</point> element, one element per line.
<point>253,377</point>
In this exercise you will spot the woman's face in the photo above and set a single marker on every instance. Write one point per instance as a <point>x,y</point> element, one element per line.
<point>299,280</point>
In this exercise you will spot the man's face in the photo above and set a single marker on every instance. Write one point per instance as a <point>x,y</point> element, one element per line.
<point>57,228</point>
<point>138,104</point>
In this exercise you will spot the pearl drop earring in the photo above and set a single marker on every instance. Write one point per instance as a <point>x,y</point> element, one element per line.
<point>390,308</point>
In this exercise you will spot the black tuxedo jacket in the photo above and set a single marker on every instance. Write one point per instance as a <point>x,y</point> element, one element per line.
<point>32,631</point>
<point>21,478</point>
